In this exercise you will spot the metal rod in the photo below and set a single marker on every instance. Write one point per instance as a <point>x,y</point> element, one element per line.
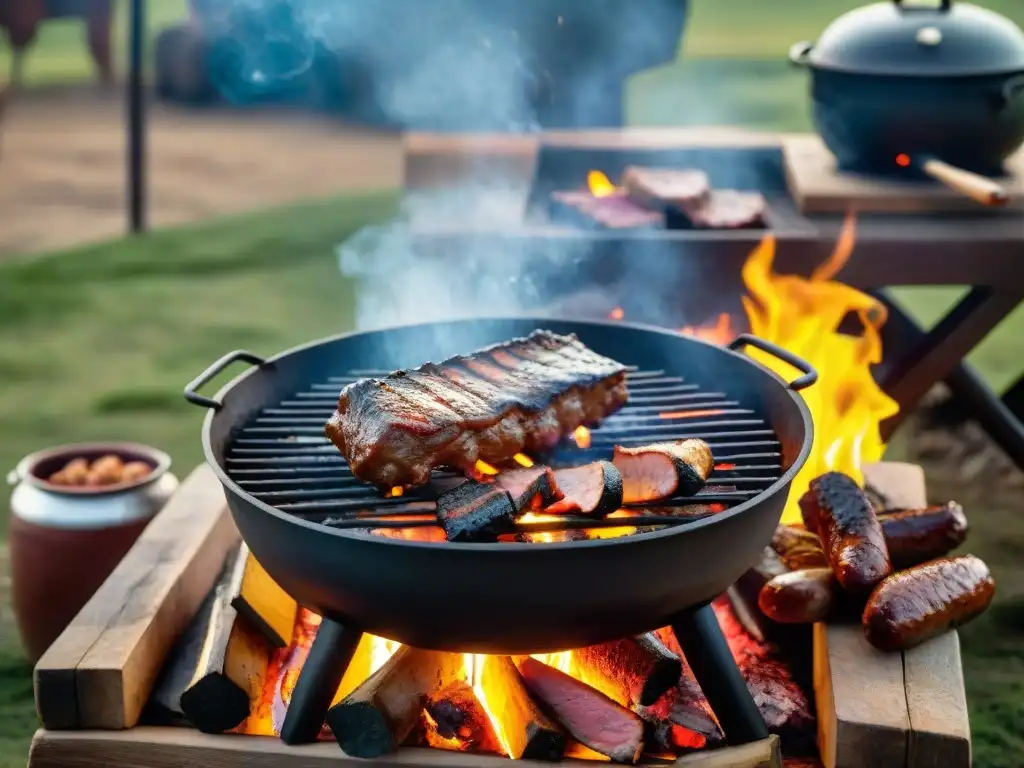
<point>136,118</point>
<point>546,526</point>
<point>329,657</point>
<point>706,651</point>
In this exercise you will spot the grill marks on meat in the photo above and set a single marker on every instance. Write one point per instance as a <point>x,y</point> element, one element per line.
<point>655,472</point>
<point>522,395</point>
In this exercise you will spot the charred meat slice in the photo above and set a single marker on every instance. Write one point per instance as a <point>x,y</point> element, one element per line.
<point>728,209</point>
<point>589,716</point>
<point>525,394</point>
<point>593,489</point>
<point>662,470</point>
<point>476,512</point>
<point>531,487</point>
<point>613,211</point>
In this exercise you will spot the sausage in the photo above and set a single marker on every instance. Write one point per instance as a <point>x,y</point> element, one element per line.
<point>915,536</point>
<point>915,605</point>
<point>808,504</point>
<point>799,597</point>
<point>798,548</point>
<point>850,533</point>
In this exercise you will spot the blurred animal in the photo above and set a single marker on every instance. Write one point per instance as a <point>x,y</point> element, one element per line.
<point>20,20</point>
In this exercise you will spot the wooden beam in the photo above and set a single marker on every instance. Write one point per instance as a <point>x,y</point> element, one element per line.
<point>99,673</point>
<point>261,601</point>
<point>940,735</point>
<point>174,747</point>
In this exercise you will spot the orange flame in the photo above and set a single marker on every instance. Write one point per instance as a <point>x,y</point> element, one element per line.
<point>599,184</point>
<point>523,460</point>
<point>691,414</point>
<point>396,491</point>
<point>581,437</point>
<point>484,468</point>
<point>802,315</point>
<point>721,332</point>
<point>617,314</point>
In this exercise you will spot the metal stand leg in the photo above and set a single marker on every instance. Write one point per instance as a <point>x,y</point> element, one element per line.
<point>999,418</point>
<point>329,657</point>
<point>713,666</point>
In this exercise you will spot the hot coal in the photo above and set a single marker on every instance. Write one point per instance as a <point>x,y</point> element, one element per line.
<point>632,671</point>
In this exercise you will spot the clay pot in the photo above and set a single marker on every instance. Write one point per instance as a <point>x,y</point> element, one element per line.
<point>65,541</point>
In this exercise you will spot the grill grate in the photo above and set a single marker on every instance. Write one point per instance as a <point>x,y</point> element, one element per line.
<point>282,457</point>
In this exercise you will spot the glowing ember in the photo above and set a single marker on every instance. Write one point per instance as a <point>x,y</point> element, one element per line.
<point>484,468</point>
<point>617,314</point>
<point>691,414</point>
<point>725,466</point>
<point>599,184</point>
<point>803,316</point>
<point>523,460</point>
<point>581,437</point>
<point>721,332</point>
<point>903,160</point>
<point>396,491</point>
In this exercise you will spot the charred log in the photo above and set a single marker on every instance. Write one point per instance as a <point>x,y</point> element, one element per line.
<point>456,720</point>
<point>588,715</point>
<point>476,512</point>
<point>632,671</point>
<point>377,716</point>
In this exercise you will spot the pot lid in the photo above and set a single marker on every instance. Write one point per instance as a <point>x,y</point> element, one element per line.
<point>914,39</point>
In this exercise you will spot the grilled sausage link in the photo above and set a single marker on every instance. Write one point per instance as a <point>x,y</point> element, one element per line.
<point>850,532</point>
<point>799,597</point>
<point>915,536</point>
<point>798,549</point>
<point>912,606</point>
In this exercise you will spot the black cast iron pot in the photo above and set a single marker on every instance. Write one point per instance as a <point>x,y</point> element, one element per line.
<point>909,81</point>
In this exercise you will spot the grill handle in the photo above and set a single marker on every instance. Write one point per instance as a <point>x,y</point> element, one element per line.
<point>213,370</point>
<point>809,374</point>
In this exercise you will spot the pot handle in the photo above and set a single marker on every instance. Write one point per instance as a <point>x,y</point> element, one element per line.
<point>214,370</point>
<point>809,374</point>
<point>946,5</point>
<point>798,53</point>
<point>1012,90</point>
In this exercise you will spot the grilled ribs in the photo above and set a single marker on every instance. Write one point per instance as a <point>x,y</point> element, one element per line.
<point>520,396</point>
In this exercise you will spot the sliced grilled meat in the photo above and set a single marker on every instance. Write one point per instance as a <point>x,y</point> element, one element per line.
<point>727,209</point>
<point>662,470</point>
<point>593,489</point>
<point>523,395</point>
<point>476,512</point>
<point>614,211</point>
<point>659,188</point>
<point>531,487</point>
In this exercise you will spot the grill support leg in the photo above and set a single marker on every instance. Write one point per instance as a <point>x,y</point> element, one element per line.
<point>715,670</point>
<point>318,682</point>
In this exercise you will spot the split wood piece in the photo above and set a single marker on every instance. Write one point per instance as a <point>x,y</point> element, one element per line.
<point>377,716</point>
<point>261,602</point>
<point>164,707</point>
<point>940,734</point>
<point>232,665</point>
<point>659,188</point>
<point>588,715</point>
<point>455,716</point>
<point>632,671</point>
<point>150,747</point>
<point>529,734</point>
<point>100,672</point>
<point>898,484</point>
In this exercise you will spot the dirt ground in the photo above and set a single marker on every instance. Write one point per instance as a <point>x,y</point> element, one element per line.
<point>63,168</point>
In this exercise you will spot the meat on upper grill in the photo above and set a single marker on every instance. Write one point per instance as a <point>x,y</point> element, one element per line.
<point>519,396</point>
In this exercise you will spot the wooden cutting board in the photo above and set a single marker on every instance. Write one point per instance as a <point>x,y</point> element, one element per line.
<point>818,187</point>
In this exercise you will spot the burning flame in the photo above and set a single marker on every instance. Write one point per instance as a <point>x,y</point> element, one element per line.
<point>721,332</point>
<point>581,437</point>
<point>523,460</point>
<point>802,315</point>
<point>599,184</point>
<point>474,663</point>
<point>484,468</point>
<point>617,314</point>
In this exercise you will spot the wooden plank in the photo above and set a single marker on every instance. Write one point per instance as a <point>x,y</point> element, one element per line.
<point>174,747</point>
<point>260,600</point>
<point>818,187</point>
<point>100,671</point>
<point>862,707</point>
<point>901,484</point>
<point>940,733</point>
